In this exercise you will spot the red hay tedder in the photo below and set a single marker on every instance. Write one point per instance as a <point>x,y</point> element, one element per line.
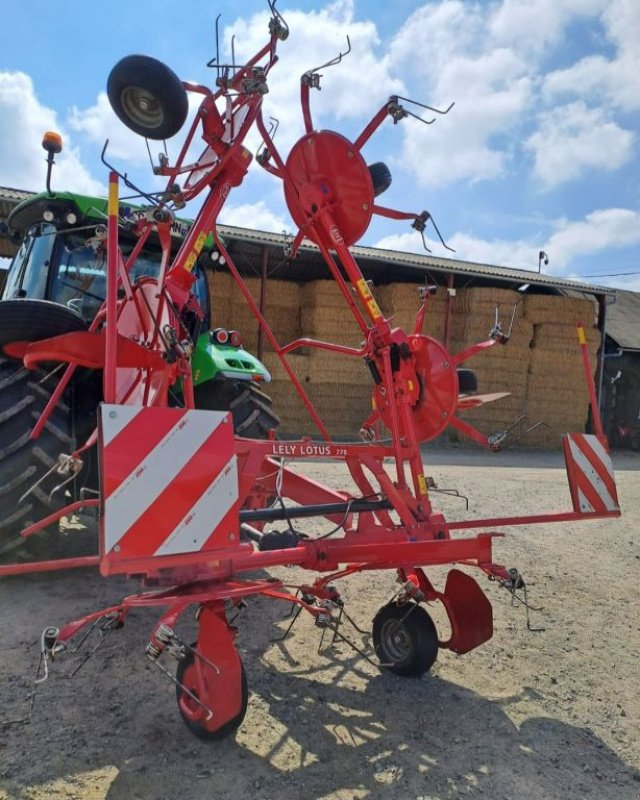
<point>183,502</point>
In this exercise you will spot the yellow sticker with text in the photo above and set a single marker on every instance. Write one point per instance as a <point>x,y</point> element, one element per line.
<point>422,483</point>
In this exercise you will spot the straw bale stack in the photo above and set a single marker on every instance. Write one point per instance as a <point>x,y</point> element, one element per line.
<point>401,301</point>
<point>231,310</point>
<point>326,315</point>
<point>339,387</point>
<point>539,309</point>
<point>556,388</point>
<point>482,301</point>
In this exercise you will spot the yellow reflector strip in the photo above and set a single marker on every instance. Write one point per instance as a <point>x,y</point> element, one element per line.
<point>113,198</point>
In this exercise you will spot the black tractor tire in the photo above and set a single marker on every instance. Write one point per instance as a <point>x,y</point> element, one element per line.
<point>405,639</point>
<point>380,177</point>
<point>467,381</point>
<point>23,396</point>
<point>250,407</point>
<point>147,97</point>
<point>32,320</point>
<point>195,727</point>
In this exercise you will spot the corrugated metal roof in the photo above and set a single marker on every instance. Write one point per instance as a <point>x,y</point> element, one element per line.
<point>426,263</point>
<point>623,320</point>
<point>415,262</point>
<point>9,198</point>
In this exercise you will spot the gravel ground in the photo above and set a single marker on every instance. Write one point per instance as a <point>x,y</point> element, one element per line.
<point>536,715</point>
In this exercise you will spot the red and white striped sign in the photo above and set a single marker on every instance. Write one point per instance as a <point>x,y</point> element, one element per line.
<point>169,483</point>
<point>590,472</point>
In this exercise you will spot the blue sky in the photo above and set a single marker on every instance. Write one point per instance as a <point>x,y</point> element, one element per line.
<point>540,152</point>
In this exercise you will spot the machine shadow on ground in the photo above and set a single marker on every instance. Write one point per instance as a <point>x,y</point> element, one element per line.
<point>318,726</point>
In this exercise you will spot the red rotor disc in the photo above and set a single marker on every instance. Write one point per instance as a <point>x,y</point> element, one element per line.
<point>327,171</point>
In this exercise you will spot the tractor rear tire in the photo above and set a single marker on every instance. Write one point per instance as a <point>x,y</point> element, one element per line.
<point>148,97</point>
<point>251,409</point>
<point>31,320</point>
<point>23,396</point>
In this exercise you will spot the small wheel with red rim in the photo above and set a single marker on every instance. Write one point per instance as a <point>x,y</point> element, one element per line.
<point>193,714</point>
<point>405,639</point>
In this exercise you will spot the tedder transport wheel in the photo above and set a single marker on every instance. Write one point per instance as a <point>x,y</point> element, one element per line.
<point>253,416</point>
<point>23,396</point>
<point>380,177</point>
<point>467,381</point>
<point>148,97</point>
<point>188,708</point>
<point>405,639</point>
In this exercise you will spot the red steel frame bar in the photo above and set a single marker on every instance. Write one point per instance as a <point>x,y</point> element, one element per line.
<point>588,374</point>
<point>111,336</point>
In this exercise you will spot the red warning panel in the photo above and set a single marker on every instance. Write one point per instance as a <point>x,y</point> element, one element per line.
<point>169,485</point>
<point>590,472</point>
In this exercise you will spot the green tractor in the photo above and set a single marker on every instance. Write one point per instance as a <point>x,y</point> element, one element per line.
<point>56,284</point>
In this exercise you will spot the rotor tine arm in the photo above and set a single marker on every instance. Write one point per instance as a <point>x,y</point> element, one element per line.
<point>391,213</point>
<point>374,124</point>
<point>268,140</point>
<point>304,101</point>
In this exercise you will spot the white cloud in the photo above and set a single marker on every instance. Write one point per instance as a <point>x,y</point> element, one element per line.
<point>573,138</point>
<point>23,120</point>
<point>455,56</point>
<point>537,26</point>
<point>99,123</point>
<point>613,81</point>
<point>354,89</point>
<point>601,231</point>
<point>253,215</point>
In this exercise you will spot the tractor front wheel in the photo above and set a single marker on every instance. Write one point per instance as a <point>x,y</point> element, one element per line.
<point>250,407</point>
<point>405,639</point>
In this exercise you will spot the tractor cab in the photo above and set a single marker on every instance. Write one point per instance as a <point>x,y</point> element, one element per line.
<point>62,255</point>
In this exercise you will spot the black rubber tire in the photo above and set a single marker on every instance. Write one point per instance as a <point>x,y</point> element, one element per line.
<point>23,462</point>
<point>380,177</point>
<point>31,320</point>
<point>250,407</point>
<point>405,639</point>
<point>137,81</point>
<point>467,381</point>
<point>194,727</point>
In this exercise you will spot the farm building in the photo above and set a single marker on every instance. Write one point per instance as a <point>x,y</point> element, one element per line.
<point>540,366</point>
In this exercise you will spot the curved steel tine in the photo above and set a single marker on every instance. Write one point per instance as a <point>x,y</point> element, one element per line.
<point>124,178</point>
<point>332,62</point>
<point>215,62</point>
<point>444,244</point>
<point>273,129</point>
<point>430,108</point>
<point>278,16</point>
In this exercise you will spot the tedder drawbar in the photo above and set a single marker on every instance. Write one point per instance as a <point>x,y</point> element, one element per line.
<point>184,503</point>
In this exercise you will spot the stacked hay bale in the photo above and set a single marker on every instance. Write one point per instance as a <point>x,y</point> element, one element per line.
<point>339,386</point>
<point>556,388</point>
<point>501,368</point>
<point>231,310</point>
<point>401,301</point>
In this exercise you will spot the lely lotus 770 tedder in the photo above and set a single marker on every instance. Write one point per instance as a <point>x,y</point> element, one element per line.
<point>186,504</point>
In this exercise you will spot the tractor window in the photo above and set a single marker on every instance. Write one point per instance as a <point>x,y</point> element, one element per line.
<point>30,268</point>
<point>80,279</point>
